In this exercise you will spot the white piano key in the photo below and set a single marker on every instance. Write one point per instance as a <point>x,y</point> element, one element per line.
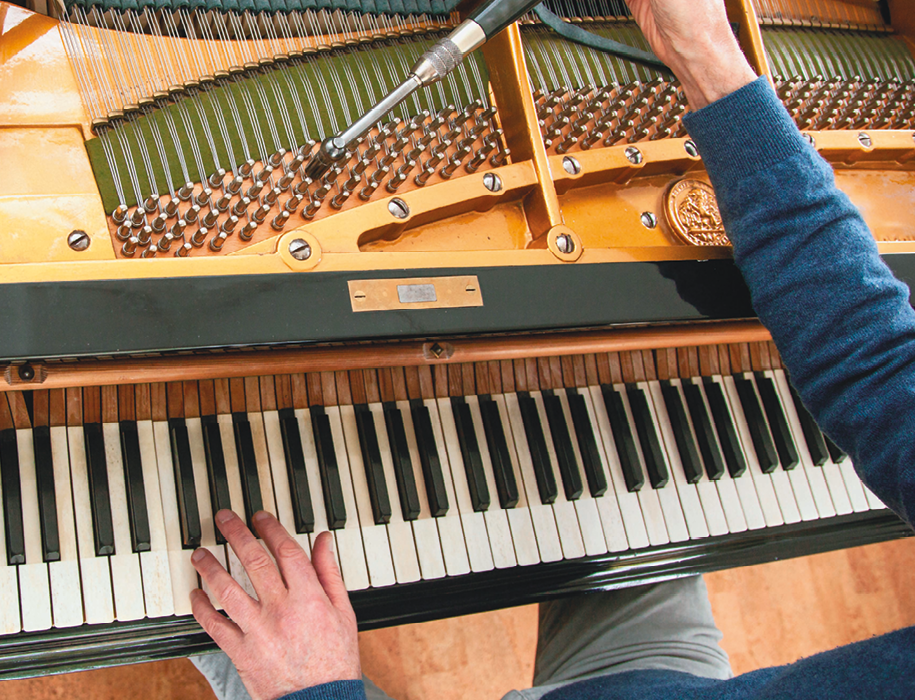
<point>430,542</point>
<point>202,490</point>
<point>474,524</point>
<point>573,545</point>
<point>648,497</point>
<point>875,503</point>
<point>745,485</point>
<point>674,518</point>
<point>400,532</point>
<point>95,572</point>
<point>236,497</point>
<point>66,589</point>
<point>126,581</point>
<point>687,493</point>
<point>765,490</point>
<point>280,477</point>
<point>10,620</point>
<point>374,537</point>
<point>497,527</point>
<point>519,517</point>
<point>727,492</point>
<point>262,457</point>
<point>630,508</point>
<point>313,476</point>
<point>182,572</point>
<point>455,546</point>
<point>355,567</point>
<point>815,476</point>
<point>853,485</point>
<point>34,584</point>
<point>592,530</point>
<point>607,505</point>
<point>542,517</point>
<point>706,489</point>
<point>798,478</point>
<point>157,585</point>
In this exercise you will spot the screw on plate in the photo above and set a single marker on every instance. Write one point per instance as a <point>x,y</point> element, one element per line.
<point>649,220</point>
<point>437,350</point>
<point>634,155</point>
<point>565,244</point>
<point>691,148</point>
<point>810,139</point>
<point>78,240</point>
<point>571,165</point>
<point>398,208</point>
<point>300,250</point>
<point>865,140</point>
<point>491,182</point>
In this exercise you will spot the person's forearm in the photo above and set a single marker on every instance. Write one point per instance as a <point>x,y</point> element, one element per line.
<point>843,324</point>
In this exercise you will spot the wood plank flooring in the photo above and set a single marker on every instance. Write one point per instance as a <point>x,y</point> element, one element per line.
<point>770,614</point>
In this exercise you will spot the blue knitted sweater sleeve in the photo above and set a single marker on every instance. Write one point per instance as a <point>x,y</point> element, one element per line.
<point>842,323</point>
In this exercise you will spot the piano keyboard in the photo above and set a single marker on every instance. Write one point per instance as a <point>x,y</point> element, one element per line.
<point>421,473</point>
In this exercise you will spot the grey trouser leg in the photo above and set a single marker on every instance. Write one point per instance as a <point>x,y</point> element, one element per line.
<point>667,626</point>
<point>226,684</point>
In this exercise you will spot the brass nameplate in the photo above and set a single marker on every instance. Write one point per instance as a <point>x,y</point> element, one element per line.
<point>415,293</point>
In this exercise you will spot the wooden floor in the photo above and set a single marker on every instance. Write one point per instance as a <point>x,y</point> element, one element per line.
<point>770,614</point>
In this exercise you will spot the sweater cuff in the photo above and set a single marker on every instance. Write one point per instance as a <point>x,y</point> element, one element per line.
<point>744,132</point>
<point>338,690</point>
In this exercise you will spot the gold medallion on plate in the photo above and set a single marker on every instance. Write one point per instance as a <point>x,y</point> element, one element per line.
<point>692,213</point>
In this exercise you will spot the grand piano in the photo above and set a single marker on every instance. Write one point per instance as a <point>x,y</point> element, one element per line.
<point>502,352</point>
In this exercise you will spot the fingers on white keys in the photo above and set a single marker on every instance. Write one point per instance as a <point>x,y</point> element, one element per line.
<point>325,566</point>
<point>292,560</point>
<point>239,605</point>
<point>222,630</point>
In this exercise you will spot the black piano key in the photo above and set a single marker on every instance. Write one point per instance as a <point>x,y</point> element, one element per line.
<point>763,443</point>
<point>622,436</point>
<point>330,471</point>
<point>778,424</point>
<point>133,483</point>
<point>683,436</point>
<point>506,485</point>
<point>705,433</point>
<point>470,453</point>
<point>216,469</point>
<point>12,498</point>
<point>587,445</point>
<point>655,462</point>
<point>247,466</point>
<point>403,465</point>
<point>433,476</point>
<point>374,469</point>
<point>835,452</point>
<point>188,511</point>
<point>813,436</point>
<point>47,497</point>
<point>727,433</point>
<point>543,471</point>
<point>97,467</point>
<point>562,443</point>
<point>298,477</point>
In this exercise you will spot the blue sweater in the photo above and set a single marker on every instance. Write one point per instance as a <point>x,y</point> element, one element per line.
<point>845,329</point>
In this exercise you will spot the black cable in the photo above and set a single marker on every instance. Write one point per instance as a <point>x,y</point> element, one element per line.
<point>578,35</point>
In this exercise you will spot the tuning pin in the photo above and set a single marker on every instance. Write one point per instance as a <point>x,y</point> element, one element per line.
<point>423,177</point>
<point>293,203</point>
<point>151,204</point>
<point>165,242</point>
<point>247,231</point>
<point>203,198</point>
<point>263,174</point>
<point>145,236</point>
<point>277,158</point>
<point>228,226</point>
<point>183,251</point>
<point>216,178</point>
<point>184,194</point>
<point>245,168</point>
<point>138,218</point>
<point>260,214</point>
<point>130,246</point>
<point>234,186</point>
<point>217,241</point>
<point>374,181</point>
<point>123,232</point>
<point>119,214</point>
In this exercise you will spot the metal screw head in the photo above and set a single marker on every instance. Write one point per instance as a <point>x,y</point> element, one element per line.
<point>78,240</point>
<point>300,250</point>
<point>565,244</point>
<point>571,165</point>
<point>634,155</point>
<point>649,220</point>
<point>492,182</point>
<point>691,148</point>
<point>398,208</point>
<point>810,139</point>
<point>26,372</point>
<point>865,140</point>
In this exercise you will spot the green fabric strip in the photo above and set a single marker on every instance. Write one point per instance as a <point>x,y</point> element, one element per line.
<point>319,95</point>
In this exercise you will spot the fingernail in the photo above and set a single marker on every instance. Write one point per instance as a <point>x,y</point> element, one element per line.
<point>260,516</point>
<point>224,516</point>
<point>331,544</point>
<point>198,555</point>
